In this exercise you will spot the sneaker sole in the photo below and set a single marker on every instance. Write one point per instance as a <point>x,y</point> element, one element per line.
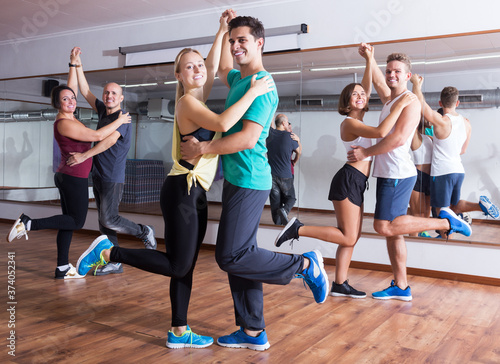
<point>335,294</point>
<point>400,298</point>
<point>246,346</point>
<point>287,226</point>
<point>110,272</point>
<point>89,249</point>
<point>182,346</point>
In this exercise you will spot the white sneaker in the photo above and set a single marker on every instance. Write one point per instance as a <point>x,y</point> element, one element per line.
<point>69,273</point>
<point>18,230</point>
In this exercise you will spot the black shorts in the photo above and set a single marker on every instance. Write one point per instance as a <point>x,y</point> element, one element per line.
<point>348,182</point>
<point>423,183</point>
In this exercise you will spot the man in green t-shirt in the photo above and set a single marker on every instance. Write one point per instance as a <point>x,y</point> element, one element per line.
<point>246,187</point>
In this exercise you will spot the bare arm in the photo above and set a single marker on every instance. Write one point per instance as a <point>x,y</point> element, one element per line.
<point>77,158</point>
<point>366,51</point>
<point>378,77</point>
<point>354,128</point>
<point>82,80</point>
<point>213,58</point>
<point>74,129</point>
<point>191,114</point>
<point>405,126</point>
<point>442,126</point>
<point>226,58</point>
<point>468,130</point>
<point>242,140</point>
<point>72,77</point>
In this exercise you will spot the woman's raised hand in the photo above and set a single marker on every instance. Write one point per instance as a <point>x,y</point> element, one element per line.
<point>262,85</point>
<point>125,118</point>
<point>406,99</point>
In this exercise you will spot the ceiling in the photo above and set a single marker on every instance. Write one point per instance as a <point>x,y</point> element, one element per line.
<point>31,18</point>
<point>59,18</point>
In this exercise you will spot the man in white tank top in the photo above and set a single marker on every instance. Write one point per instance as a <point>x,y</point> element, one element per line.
<point>396,175</point>
<point>451,137</point>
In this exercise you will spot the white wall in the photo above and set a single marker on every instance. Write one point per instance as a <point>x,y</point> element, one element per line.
<point>330,23</point>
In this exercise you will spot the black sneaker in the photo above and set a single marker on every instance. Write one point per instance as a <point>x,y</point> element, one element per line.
<point>289,233</point>
<point>345,290</point>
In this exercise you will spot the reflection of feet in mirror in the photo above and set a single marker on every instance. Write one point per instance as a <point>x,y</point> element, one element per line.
<point>488,207</point>
<point>283,216</point>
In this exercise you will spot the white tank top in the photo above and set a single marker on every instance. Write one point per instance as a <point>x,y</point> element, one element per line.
<point>359,141</point>
<point>446,152</point>
<point>423,155</point>
<point>397,163</point>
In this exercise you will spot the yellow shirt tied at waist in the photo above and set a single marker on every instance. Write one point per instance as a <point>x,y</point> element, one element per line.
<point>203,172</point>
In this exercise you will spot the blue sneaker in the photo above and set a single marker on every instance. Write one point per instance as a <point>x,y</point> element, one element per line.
<point>315,276</point>
<point>393,292</point>
<point>424,234</point>
<point>92,257</point>
<point>188,340</point>
<point>239,339</point>
<point>457,225</point>
<point>488,208</point>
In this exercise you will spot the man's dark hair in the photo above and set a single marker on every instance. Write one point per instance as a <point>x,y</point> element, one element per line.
<point>449,96</point>
<point>255,25</point>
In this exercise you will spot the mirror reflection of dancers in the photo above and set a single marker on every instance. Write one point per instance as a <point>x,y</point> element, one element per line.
<point>452,134</point>
<point>349,184</point>
<point>72,182</point>
<point>183,196</point>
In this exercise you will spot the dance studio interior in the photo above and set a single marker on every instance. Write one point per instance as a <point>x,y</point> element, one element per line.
<point>311,51</point>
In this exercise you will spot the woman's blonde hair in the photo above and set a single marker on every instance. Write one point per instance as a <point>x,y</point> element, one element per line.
<point>180,89</point>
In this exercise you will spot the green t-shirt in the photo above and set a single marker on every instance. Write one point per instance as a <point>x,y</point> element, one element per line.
<point>249,168</point>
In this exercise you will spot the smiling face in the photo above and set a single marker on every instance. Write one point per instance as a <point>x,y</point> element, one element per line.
<point>358,98</point>
<point>191,71</point>
<point>396,75</point>
<point>67,102</point>
<point>244,47</point>
<point>112,96</point>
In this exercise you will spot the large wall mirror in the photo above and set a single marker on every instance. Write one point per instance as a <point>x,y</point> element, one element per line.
<point>308,84</point>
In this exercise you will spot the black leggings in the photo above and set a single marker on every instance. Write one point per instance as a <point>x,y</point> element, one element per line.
<point>185,219</point>
<point>74,193</point>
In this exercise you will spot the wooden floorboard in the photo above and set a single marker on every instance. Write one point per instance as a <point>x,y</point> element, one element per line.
<point>125,318</point>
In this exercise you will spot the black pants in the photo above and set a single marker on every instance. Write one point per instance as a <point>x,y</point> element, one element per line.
<point>247,265</point>
<point>282,195</point>
<point>185,219</point>
<point>107,197</point>
<point>74,193</point>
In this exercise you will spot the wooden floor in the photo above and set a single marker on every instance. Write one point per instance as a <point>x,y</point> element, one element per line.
<point>125,318</point>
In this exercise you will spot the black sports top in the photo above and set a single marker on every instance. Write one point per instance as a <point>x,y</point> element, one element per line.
<point>201,134</point>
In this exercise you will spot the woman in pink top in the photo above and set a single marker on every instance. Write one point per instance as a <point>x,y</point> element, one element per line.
<point>72,181</point>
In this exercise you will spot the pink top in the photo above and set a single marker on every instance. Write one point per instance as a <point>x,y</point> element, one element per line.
<point>67,145</point>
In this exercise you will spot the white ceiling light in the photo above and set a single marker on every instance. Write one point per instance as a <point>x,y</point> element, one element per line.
<point>414,63</point>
